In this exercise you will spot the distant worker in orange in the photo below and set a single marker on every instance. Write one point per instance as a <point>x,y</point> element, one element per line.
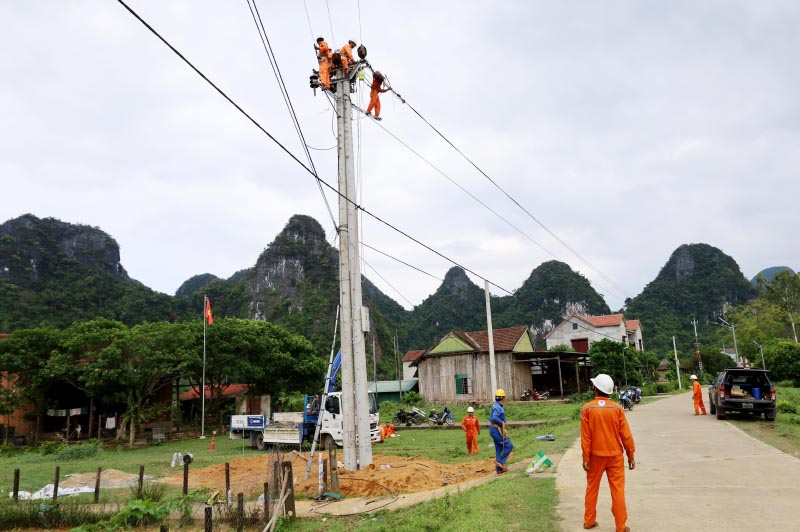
<point>697,395</point>
<point>324,56</point>
<point>374,98</point>
<point>472,427</point>
<point>605,434</point>
<point>387,431</point>
<point>346,52</point>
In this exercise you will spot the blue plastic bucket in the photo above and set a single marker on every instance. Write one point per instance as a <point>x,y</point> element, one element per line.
<point>756,393</point>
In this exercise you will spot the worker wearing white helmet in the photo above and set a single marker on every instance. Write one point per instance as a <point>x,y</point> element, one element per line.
<point>605,434</point>
<point>697,396</point>
<point>472,427</point>
<point>497,430</point>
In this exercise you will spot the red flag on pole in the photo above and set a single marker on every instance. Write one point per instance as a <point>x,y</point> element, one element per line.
<point>209,317</point>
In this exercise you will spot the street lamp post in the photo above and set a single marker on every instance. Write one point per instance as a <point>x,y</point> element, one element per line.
<point>733,330</point>
<point>761,348</point>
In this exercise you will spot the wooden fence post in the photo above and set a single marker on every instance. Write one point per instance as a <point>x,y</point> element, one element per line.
<point>240,512</point>
<point>227,483</point>
<point>266,502</point>
<point>185,478</point>
<point>288,506</point>
<point>97,485</point>
<point>207,521</point>
<point>141,482</point>
<point>16,484</point>
<point>55,483</point>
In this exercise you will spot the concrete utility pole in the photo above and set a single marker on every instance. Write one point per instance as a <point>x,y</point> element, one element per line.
<point>677,366</point>
<point>697,348</point>
<point>355,396</point>
<point>492,368</point>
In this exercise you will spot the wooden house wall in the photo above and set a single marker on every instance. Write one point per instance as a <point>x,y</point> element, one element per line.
<point>437,374</point>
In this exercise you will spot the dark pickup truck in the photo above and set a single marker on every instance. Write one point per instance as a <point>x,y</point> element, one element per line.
<point>742,390</point>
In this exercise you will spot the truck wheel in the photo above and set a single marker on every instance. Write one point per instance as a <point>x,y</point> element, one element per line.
<point>720,413</point>
<point>328,442</point>
<point>260,442</point>
<point>769,415</point>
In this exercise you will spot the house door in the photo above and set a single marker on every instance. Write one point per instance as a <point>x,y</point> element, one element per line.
<point>581,345</point>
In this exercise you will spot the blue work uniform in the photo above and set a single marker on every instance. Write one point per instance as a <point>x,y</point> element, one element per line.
<point>502,446</point>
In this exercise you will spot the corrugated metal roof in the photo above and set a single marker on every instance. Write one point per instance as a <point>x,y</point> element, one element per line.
<point>392,386</point>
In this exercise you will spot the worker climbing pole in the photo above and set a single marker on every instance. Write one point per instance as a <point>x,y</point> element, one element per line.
<point>343,70</point>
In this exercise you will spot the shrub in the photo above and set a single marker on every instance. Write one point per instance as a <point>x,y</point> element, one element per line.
<point>76,452</point>
<point>663,387</point>
<point>786,407</point>
<point>49,447</point>
<point>412,399</point>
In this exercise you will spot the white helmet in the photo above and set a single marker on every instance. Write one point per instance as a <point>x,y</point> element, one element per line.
<point>693,378</point>
<point>470,409</point>
<point>604,383</point>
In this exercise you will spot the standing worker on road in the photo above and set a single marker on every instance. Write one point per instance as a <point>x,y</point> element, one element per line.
<point>604,435</point>
<point>697,396</point>
<point>374,97</point>
<point>497,430</point>
<point>472,427</point>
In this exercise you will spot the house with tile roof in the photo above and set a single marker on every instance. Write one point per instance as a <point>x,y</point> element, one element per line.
<point>580,332</point>
<point>456,369</point>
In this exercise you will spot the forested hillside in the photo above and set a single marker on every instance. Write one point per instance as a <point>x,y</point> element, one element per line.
<point>697,282</point>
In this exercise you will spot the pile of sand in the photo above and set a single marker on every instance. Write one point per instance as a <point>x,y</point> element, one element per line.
<point>109,479</point>
<point>388,474</point>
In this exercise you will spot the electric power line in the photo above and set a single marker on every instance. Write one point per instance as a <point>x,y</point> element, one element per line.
<point>293,157</point>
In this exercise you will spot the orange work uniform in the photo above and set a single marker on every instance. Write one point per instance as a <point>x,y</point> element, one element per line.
<point>697,395</point>
<point>387,431</point>
<point>604,435</point>
<point>374,99</point>
<point>472,427</point>
<point>346,53</point>
<point>324,55</point>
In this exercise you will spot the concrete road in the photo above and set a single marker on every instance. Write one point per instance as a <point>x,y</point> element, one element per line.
<point>692,473</point>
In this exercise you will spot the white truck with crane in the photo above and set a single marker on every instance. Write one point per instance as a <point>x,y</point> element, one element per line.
<point>295,428</point>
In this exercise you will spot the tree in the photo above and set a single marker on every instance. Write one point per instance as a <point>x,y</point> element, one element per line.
<point>784,292</point>
<point>25,355</point>
<point>783,359</point>
<point>756,321</point>
<point>10,400</point>
<point>607,357</point>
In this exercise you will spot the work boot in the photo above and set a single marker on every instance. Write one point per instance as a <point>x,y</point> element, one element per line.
<point>378,118</point>
<point>593,525</point>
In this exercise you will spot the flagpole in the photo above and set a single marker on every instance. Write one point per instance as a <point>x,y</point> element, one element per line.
<point>203,388</point>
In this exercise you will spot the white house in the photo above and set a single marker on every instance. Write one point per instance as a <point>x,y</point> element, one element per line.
<point>580,332</point>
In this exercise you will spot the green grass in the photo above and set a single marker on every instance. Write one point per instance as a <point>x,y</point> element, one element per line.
<point>784,432</point>
<point>512,503</point>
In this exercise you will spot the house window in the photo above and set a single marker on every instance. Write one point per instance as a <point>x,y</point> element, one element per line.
<point>462,384</point>
<point>574,326</point>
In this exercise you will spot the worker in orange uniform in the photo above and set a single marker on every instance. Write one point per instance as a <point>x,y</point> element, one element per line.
<point>324,56</point>
<point>472,427</point>
<point>387,431</point>
<point>346,52</point>
<point>604,435</point>
<point>697,395</point>
<point>374,98</point>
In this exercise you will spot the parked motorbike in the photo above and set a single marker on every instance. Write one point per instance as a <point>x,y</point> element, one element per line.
<point>534,395</point>
<point>635,393</point>
<point>414,416</point>
<point>440,419</point>
<point>626,399</point>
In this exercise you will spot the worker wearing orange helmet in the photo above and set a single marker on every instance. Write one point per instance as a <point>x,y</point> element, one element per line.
<point>697,396</point>
<point>604,435</point>
<point>472,427</point>
<point>374,98</point>
<point>324,56</point>
<point>497,430</point>
<point>346,52</point>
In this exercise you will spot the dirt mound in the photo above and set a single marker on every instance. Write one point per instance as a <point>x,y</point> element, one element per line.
<point>388,474</point>
<point>109,479</point>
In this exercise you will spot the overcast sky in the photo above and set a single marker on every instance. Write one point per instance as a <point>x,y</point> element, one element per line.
<point>625,128</point>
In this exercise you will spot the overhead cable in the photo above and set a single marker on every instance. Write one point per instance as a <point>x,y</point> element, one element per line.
<point>298,161</point>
